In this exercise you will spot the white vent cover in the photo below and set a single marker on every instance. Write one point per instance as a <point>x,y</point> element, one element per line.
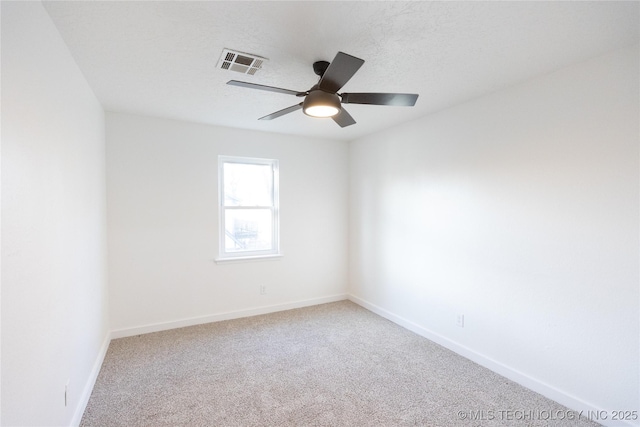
<point>244,63</point>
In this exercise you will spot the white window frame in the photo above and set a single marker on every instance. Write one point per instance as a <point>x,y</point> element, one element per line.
<point>275,210</point>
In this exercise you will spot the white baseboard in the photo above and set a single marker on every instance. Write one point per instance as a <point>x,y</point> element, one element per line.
<point>163,326</point>
<point>553,393</point>
<point>91,381</point>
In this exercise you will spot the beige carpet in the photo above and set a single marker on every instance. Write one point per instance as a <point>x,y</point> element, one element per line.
<point>329,365</point>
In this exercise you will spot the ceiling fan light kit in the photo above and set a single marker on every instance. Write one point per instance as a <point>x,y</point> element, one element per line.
<point>321,104</point>
<point>323,99</point>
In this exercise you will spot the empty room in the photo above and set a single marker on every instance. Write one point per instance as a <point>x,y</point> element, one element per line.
<point>328,213</point>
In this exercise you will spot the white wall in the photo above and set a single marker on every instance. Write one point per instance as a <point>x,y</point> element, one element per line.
<point>54,296</point>
<point>519,210</point>
<point>163,223</point>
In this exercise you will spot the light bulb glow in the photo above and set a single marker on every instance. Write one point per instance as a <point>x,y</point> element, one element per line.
<point>322,110</point>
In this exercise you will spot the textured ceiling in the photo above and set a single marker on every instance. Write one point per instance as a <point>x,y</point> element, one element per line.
<point>159,57</point>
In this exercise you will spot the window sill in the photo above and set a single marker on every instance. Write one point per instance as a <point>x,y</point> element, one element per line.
<point>230,260</point>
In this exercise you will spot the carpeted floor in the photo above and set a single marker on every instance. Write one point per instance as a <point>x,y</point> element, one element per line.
<point>329,365</point>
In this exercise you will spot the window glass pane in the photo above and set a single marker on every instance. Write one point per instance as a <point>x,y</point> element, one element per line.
<point>247,184</point>
<point>247,230</point>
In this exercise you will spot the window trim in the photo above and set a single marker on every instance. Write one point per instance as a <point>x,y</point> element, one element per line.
<point>223,255</point>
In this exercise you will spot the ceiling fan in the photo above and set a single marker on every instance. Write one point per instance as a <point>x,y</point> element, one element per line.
<point>323,99</point>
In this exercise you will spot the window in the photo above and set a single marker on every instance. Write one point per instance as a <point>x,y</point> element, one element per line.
<point>248,207</point>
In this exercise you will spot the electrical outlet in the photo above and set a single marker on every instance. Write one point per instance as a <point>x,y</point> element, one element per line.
<point>460,320</point>
<point>263,289</point>
<point>66,393</point>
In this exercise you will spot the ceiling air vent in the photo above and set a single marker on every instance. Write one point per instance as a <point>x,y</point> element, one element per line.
<point>244,63</point>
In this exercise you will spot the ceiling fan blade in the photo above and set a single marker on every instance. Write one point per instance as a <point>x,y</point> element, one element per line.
<point>343,118</point>
<point>339,72</point>
<point>282,112</point>
<point>396,99</point>
<point>263,87</point>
